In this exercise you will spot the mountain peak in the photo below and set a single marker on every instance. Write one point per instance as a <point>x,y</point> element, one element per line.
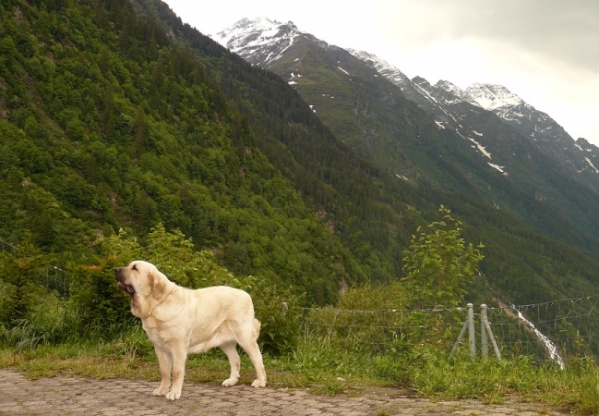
<point>255,34</point>
<point>455,91</point>
<point>449,87</point>
<point>383,67</point>
<point>491,96</point>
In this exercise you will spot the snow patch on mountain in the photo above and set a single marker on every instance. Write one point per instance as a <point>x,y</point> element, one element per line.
<point>491,97</point>
<point>499,168</point>
<point>382,67</point>
<point>591,165</point>
<point>248,36</point>
<point>343,70</point>
<point>582,149</point>
<point>480,147</point>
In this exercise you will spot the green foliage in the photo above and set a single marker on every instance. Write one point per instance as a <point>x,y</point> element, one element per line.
<point>279,313</point>
<point>108,123</point>
<point>103,310</point>
<point>20,275</point>
<point>367,320</point>
<point>439,264</point>
<point>393,296</point>
<point>97,310</point>
<point>120,128</point>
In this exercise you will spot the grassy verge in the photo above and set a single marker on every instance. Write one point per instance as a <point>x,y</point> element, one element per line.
<point>324,369</point>
<point>305,368</point>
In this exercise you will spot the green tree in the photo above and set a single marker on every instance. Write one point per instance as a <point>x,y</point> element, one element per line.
<point>439,263</point>
<point>20,274</point>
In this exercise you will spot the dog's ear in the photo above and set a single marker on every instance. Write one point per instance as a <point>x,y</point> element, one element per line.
<point>157,283</point>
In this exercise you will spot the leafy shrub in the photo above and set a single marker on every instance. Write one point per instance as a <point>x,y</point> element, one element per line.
<point>439,263</point>
<point>19,279</point>
<point>280,316</point>
<point>106,309</point>
<point>103,309</point>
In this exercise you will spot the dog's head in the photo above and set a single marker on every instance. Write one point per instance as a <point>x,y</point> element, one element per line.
<point>144,283</point>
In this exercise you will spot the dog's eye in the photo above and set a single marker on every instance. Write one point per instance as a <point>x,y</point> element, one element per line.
<point>134,267</point>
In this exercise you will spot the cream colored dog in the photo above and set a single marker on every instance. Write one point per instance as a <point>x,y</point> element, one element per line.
<point>180,321</point>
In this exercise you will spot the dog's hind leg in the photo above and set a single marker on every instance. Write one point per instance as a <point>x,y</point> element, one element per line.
<point>230,350</point>
<point>248,342</point>
<point>253,350</point>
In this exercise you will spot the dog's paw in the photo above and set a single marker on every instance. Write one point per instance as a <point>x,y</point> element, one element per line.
<point>160,391</point>
<point>230,382</point>
<point>173,395</point>
<point>259,383</point>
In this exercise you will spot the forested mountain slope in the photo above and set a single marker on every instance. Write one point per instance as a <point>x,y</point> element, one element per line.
<point>426,135</point>
<point>517,256</point>
<point>109,120</point>
<point>104,125</point>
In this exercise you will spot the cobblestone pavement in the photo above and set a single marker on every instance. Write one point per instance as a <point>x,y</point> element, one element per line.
<point>83,396</point>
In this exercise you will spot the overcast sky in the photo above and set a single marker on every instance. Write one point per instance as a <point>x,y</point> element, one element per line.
<point>545,51</point>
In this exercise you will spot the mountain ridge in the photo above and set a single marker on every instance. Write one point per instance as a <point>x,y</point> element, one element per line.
<point>491,97</point>
<point>497,134</point>
<point>550,137</point>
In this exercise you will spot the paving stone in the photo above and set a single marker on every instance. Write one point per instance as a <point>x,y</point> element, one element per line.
<point>66,396</point>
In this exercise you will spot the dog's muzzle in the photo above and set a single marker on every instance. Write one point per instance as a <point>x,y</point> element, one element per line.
<point>118,274</point>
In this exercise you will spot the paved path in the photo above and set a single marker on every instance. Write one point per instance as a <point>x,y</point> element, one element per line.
<point>83,396</point>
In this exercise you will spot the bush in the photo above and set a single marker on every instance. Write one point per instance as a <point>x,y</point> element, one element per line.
<point>106,309</point>
<point>96,310</point>
<point>280,315</point>
<point>439,263</point>
<point>19,280</point>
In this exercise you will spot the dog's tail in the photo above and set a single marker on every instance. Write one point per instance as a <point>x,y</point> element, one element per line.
<point>257,326</point>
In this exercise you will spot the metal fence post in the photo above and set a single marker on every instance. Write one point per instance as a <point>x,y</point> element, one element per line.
<point>484,344</point>
<point>471,333</point>
<point>492,337</point>
<point>462,332</point>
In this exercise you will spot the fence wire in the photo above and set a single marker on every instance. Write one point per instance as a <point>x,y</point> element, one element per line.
<point>572,325</point>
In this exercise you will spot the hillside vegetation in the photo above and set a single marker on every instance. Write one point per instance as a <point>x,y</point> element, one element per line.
<point>116,116</point>
<point>126,134</point>
<point>105,127</point>
<point>375,213</point>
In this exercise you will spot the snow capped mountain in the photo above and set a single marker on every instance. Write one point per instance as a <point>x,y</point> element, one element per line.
<point>491,97</point>
<point>468,112</point>
<point>260,40</point>
<point>538,126</point>
<point>454,108</point>
<point>383,67</point>
<point>451,90</point>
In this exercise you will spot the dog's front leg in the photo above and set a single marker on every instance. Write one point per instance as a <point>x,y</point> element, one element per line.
<point>165,362</point>
<point>179,356</point>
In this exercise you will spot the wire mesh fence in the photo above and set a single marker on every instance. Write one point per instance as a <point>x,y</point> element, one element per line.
<point>568,326</point>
